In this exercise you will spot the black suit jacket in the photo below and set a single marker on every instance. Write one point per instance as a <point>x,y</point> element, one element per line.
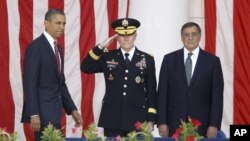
<point>130,92</point>
<point>202,100</point>
<point>45,92</point>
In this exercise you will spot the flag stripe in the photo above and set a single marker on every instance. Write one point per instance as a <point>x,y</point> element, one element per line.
<point>87,41</point>
<point>112,15</point>
<point>39,9</point>
<point>225,50</point>
<point>25,36</point>
<point>210,25</point>
<point>242,63</point>
<point>123,7</point>
<point>6,100</point>
<point>72,59</point>
<point>102,30</point>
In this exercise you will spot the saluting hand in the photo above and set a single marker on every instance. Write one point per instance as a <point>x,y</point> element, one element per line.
<point>107,42</point>
<point>150,126</point>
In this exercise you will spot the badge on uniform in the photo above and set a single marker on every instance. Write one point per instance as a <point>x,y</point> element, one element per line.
<point>112,64</point>
<point>111,77</point>
<point>137,79</point>
<point>141,64</point>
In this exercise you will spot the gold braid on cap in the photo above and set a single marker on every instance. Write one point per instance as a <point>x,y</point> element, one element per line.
<point>125,31</point>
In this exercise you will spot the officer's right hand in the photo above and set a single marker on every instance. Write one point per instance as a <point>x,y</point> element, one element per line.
<point>107,42</point>
<point>35,123</point>
<point>163,130</point>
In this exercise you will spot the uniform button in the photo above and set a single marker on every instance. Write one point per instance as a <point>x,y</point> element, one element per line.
<point>59,96</point>
<point>143,107</point>
<point>126,78</point>
<point>141,72</point>
<point>124,93</point>
<point>125,86</point>
<point>126,71</point>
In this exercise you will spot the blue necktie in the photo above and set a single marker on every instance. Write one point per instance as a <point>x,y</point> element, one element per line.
<point>126,59</point>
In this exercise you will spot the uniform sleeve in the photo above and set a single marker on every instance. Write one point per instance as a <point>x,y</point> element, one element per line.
<point>93,61</point>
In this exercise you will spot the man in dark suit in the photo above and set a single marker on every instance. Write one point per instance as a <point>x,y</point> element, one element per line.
<point>190,84</point>
<point>45,91</point>
<point>130,80</point>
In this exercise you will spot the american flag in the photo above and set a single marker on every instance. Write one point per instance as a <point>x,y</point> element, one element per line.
<point>226,33</point>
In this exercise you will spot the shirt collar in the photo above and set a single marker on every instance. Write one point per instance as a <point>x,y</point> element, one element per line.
<point>49,38</point>
<point>131,53</point>
<point>195,52</point>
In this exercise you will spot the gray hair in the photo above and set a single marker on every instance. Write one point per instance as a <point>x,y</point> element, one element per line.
<point>191,24</point>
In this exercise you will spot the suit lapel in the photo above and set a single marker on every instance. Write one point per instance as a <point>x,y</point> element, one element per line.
<point>50,51</point>
<point>199,66</point>
<point>180,65</point>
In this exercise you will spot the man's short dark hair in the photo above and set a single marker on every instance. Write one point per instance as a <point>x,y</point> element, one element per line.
<point>190,24</point>
<point>52,12</point>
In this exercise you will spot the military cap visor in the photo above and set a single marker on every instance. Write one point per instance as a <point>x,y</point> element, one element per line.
<point>125,26</point>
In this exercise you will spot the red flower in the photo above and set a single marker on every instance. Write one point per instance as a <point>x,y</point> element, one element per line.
<point>138,125</point>
<point>190,138</point>
<point>177,133</point>
<point>74,130</point>
<point>196,123</point>
<point>188,131</point>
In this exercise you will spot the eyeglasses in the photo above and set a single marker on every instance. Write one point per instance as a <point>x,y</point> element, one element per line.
<point>193,34</point>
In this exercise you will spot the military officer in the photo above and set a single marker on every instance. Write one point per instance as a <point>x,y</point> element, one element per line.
<point>130,80</point>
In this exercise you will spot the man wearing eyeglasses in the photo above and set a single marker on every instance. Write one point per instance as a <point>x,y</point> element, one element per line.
<point>190,85</point>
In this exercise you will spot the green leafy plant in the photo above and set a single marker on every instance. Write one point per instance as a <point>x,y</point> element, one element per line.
<point>50,133</point>
<point>142,132</point>
<point>5,136</point>
<point>188,131</point>
<point>92,134</point>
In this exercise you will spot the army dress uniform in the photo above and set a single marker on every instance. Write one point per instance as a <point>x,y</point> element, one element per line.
<point>130,91</point>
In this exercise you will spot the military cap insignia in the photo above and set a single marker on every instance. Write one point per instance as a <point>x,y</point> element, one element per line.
<point>125,23</point>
